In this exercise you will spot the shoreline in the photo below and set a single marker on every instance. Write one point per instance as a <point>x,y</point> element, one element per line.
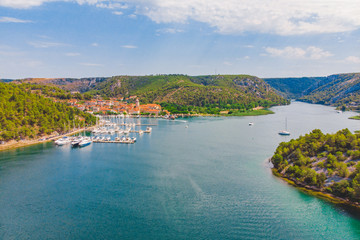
<point>19,144</point>
<point>313,191</point>
<point>27,143</point>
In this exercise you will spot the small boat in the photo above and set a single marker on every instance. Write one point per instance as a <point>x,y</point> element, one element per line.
<point>251,123</point>
<point>76,141</point>
<point>141,132</point>
<point>84,143</point>
<point>133,139</point>
<point>62,141</point>
<point>284,132</point>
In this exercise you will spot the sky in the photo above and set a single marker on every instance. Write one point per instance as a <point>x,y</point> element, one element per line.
<point>103,38</point>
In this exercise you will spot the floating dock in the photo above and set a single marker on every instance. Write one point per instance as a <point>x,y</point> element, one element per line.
<point>113,141</point>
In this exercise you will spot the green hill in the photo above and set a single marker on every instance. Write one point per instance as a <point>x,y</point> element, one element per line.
<point>329,163</point>
<point>26,115</point>
<point>192,90</point>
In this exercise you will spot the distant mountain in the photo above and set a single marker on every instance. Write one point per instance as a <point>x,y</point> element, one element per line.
<point>71,84</point>
<point>294,87</point>
<point>336,90</point>
<point>191,90</point>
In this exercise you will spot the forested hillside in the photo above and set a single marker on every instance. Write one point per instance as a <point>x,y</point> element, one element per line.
<point>200,91</point>
<point>340,90</point>
<point>337,90</point>
<point>294,87</point>
<point>26,115</point>
<point>329,162</point>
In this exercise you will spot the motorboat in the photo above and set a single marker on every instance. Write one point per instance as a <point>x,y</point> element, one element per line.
<point>85,142</point>
<point>62,141</point>
<point>75,142</point>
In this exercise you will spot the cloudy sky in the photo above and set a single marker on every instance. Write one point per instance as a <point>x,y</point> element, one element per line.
<point>272,38</point>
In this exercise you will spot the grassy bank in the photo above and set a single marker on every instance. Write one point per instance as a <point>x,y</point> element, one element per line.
<point>355,117</point>
<point>250,113</point>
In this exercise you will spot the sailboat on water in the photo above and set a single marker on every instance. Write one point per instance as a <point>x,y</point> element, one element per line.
<point>285,132</point>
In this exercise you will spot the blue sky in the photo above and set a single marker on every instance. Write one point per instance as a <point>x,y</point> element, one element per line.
<point>89,38</point>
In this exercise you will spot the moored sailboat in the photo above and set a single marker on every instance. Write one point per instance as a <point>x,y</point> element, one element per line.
<point>285,132</point>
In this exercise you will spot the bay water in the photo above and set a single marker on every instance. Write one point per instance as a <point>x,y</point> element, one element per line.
<point>210,180</point>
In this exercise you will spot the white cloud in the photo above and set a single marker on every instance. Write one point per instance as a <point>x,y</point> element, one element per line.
<point>129,46</point>
<point>40,44</point>
<point>22,3</point>
<point>170,30</point>
<point>282,17</point>
<point>111,5</point>
<point>13,20</point>
<point>117,13</point>
<point>92,64</point>
<point>72,54</point>
<point>95,44</point>
<point>352,59</point>
<point>227,63</point>
<point>311,52</point>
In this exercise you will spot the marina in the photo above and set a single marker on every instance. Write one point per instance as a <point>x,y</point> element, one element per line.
<point>108,129</point>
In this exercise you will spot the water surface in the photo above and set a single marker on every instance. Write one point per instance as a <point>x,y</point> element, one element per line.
<point>208,181</point>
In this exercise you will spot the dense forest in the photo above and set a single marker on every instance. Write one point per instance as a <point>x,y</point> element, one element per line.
<point>329,162</point>
<point>27,115</point>
<point>55,92</point>
<point>211,92</point>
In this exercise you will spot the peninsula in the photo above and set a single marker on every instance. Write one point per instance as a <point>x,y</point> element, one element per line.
<point>327,163</point>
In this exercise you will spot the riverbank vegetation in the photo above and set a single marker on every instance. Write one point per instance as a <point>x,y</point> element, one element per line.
<point>215,109</point>
<point>325,162</point>
<point>27,115</point>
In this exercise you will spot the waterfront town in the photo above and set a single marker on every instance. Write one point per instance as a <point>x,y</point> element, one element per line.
<point>130,106</point>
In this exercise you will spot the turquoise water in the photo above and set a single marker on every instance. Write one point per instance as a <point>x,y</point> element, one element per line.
<point>208,181</point>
